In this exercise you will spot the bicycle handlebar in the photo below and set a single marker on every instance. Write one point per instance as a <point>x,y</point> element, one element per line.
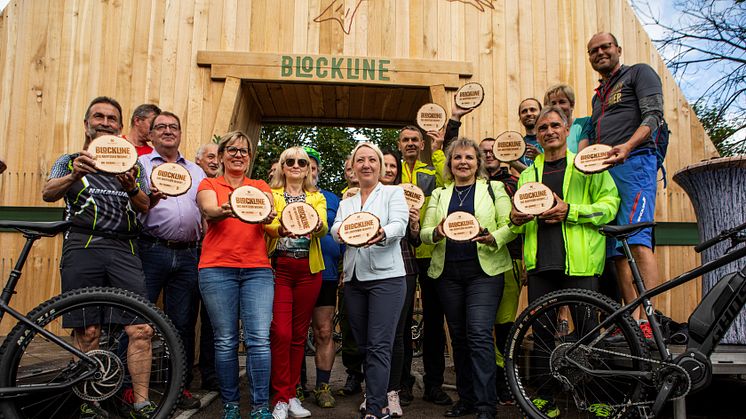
<point>725,234</point>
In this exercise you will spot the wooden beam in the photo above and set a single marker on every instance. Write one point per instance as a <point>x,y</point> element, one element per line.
<point>229,101</point>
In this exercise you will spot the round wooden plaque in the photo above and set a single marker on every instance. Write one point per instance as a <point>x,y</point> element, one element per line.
<point>414,196</point>
<point>460,226</point>
<point>533,198</point>
<point>431,117</point>
<point>299,218</point>
<point>349,193</point>
<point>113,154</point>
<point>250,204</point>
<point>358,228</point>
<point>509,146</point>
<point>590,159</point>
<point>470,95</point>
<point>171,178</point>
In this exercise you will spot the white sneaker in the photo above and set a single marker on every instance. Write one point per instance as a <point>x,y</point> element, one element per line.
<point>362,405</point>
<point>394,407</point>
<point>281,411</point>
<point>296,409</point>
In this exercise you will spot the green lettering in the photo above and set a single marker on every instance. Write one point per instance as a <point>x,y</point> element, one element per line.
<point>297,66</point>
<point>322,72</point>
<point>337,68</point>
<point>369,69</point>
<point>382,69</point>
<point>306,67</point>
<point>287,66</point>
<point>350,68</point>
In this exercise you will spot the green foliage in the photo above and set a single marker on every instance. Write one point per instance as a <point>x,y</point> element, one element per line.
<point>720,130</point>
<point>333,143</point>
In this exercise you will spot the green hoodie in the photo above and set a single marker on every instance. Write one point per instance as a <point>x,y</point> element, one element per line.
<point>593,201</point>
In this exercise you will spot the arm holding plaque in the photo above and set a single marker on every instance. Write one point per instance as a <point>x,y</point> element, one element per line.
<point>318,202</point>
<point>556,214</point>
<point>207,201</point>
<point>519,219</point>
<point>136,185</point>
<point>67,170</point>
<point>604,202</point>
<point>274,229</point>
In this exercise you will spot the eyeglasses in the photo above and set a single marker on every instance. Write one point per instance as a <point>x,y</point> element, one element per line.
<point>291,162</point>
<point>488,152</point>
<point>234,151</point>
<point>162,127</point>
<point>603,47</point>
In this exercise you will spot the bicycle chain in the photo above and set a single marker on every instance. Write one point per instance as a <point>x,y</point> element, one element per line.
<point>652,361</point>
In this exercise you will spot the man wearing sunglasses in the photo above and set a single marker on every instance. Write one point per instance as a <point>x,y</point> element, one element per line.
<point>627,108</point>
<point>170,240</point>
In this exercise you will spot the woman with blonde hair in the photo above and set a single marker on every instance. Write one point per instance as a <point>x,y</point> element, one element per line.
<point>298,265</point>
<point>235,279</point>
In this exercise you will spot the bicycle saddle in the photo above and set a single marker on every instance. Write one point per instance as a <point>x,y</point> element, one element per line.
<point>625,230</point>
<point>45,228</point>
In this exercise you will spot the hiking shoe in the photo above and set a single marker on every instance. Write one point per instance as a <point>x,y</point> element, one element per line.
<point>231,411</point>
<point>261,413</point>
<point>647,332</point>
<point>352,386</point>
<point>300,394</point>
<point>92,411</point>
<point>436,395</point>
<point>187,401</point>
<point>394,408</point>
<point>405,396</point>
<point>124,402</point>
<point>281,411</point>
<point>505,397</point>
<point>547,407</point>
<point>601,410</point>
<point>146,412</point>
<point>296,409</point>
<point>323,396</point>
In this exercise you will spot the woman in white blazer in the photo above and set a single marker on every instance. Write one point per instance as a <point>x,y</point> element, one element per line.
<point>374,275</point>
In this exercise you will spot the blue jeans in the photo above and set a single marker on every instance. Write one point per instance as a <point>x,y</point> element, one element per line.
<point>175,273</point>
<point>246,292</point>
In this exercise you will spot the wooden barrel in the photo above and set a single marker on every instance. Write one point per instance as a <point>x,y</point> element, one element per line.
<point>717,189</point>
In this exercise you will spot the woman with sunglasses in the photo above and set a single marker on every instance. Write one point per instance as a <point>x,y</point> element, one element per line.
<point>298,265</point>
<point>236,280</point>
<point>374,274</point>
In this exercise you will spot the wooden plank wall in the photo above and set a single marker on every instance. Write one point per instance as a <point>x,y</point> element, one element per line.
<point>55,56</point>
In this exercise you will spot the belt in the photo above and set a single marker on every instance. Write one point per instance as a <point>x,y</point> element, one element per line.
<point>107,234</point>
<point>295,254</point>
<point>171,244</point>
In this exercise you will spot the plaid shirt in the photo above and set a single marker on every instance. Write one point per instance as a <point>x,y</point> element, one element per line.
<point>408,254</point>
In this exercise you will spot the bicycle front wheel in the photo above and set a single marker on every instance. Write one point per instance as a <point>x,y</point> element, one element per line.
<point>133,343</point>
<point>549,377</point>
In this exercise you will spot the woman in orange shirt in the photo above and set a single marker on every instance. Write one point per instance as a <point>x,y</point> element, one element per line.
<point>236,279</point>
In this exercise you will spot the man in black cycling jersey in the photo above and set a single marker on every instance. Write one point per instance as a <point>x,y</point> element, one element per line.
<point>99,249</point>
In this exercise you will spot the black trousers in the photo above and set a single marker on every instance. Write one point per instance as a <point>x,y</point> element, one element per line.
<point>433,333</point>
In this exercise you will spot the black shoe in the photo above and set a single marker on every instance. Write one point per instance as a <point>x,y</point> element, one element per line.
<point>505,397</point>
<point>405,396</point>
<point>351,387</point>
<point>187,401</point>
<point>485,415</point>
<point>459,409</point>
<point>436,395</point>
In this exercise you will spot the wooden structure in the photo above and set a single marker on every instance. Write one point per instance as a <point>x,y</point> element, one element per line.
<point>235,64</point>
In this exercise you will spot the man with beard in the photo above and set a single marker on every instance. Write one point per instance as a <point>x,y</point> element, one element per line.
<point>627,108</point>
<point>207,159</point>
<point>139,134</point>
<point>170,241</point>
<point>528,111</point>
<point>99,249</point>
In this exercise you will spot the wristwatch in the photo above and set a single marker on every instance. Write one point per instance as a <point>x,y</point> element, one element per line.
<point>133,192</point>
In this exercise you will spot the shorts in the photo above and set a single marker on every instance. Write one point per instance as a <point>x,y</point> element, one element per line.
<point>327,294</point>
<point>100,267</point>
<point>637,185</point>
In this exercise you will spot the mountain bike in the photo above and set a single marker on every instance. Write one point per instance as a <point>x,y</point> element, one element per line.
<point>44,374</point>
<point>604,366</point>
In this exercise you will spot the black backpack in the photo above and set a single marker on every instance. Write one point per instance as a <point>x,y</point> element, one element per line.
<point>661,137</point>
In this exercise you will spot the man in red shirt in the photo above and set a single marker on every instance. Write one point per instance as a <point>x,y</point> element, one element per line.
<point>142,117</point>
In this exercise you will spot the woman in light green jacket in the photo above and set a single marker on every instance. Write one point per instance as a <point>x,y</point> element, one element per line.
<point>470,275</point>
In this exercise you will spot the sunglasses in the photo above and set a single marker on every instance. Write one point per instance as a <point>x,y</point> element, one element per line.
<point>291,162</point>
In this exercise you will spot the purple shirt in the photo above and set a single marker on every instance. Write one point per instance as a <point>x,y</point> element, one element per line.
<point>175,218</point>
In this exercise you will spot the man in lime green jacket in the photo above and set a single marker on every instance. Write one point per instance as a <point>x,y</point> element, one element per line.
<point>562,247</point>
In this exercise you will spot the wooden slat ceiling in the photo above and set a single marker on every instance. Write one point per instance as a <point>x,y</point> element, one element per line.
<point>328,104</point>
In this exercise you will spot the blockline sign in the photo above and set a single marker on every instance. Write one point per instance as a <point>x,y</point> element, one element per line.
<point>335,68</point>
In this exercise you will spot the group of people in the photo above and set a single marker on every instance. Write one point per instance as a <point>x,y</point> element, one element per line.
<point>194,251</point>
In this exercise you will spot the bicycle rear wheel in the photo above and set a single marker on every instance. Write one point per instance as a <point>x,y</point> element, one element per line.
<point>541,370</point>
<point>28,358</point>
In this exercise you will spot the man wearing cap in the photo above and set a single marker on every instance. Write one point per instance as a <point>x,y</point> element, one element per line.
<point>170,240</point>
<point>99,249</point>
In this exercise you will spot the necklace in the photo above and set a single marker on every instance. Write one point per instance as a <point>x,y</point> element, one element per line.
<point>462,194</point>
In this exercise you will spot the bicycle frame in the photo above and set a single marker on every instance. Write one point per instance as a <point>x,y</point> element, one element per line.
<point>644,300</point>
<point>8,291</point>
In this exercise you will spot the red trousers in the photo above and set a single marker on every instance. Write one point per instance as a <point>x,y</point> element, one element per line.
<point>296,291</point>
